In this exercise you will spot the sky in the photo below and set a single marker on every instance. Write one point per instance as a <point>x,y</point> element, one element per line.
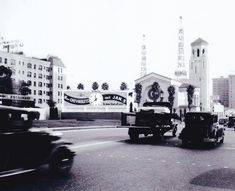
<point>100,40</point>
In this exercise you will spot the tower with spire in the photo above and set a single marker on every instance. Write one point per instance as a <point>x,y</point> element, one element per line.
<point>180,72</point>
<point>143,71</point>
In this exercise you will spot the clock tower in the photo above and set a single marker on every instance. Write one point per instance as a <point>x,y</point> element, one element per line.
<point>199,71</point>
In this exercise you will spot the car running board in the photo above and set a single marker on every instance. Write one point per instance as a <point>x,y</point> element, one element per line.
<point>15,172</point>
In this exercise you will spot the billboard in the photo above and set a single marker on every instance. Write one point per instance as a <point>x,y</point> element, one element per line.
<point>95,101</point>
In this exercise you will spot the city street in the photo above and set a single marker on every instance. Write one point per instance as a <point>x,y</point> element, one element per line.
<point>107,160</point>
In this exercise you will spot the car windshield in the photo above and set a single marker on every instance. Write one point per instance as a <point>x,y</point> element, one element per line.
<point>196,118</point>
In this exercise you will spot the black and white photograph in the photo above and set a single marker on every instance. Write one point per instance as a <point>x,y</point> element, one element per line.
<point>117,95</point>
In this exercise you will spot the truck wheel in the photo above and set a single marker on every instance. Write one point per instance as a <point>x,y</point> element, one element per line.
<point>222,140</point>
<point>61,162</point>
<point>134,136</point>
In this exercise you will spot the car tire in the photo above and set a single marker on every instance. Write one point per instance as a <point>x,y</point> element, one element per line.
<point>61,162</point>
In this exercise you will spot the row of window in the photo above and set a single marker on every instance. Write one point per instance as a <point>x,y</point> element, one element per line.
<point>29,65</point>
<point>40,101</point>
<point>60,86</point>
<point>60,78</point>
<point>48,69</point>
<point>40,92</point>
<point>40,76</point>
<point>40,84</point>
<point>198,52</point>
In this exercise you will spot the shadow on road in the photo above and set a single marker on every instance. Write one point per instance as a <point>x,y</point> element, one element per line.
<point>169,141</point>
<point>37,180</point>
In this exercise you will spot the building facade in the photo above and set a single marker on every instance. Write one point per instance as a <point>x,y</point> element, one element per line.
<point>221,89</point>
<point>46,77</point>
<point>180,97</point>
<point>231,92</point>
<point>199,71</point>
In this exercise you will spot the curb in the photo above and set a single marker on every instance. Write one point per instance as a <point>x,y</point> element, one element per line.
<point>82,128</point>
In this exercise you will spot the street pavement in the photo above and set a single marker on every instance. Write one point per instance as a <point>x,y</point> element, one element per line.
<point>107,160</point>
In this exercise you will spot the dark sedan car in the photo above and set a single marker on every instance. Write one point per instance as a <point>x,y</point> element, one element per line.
<point>24,148</point>
<point>201,127</point>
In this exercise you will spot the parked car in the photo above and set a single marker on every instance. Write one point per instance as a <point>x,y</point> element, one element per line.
<point>231,122</point>
<point>223,121</point>
<point>201,127</point>
<point>24,148</point>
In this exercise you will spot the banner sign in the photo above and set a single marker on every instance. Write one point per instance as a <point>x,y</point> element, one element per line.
<point>95,101</point>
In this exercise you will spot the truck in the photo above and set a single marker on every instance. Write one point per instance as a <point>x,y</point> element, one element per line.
<point>154,118</point>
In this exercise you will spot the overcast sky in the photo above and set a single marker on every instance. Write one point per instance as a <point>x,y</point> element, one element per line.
<point>100,40</point>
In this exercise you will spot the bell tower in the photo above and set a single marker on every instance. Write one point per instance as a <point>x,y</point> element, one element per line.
<point>199,71</point>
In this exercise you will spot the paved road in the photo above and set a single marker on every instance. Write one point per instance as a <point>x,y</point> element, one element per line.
<point>106,160</point>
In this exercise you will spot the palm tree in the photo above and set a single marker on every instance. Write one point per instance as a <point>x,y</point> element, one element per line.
<point>138,90</point>
<point>80,86</point>
<point>6,84</point>
<point>105,86</point>
<point>190,92</point>
<point>155,93</point>
<point>123,86</point>
<point>171,97</point>
<point>95,85</point>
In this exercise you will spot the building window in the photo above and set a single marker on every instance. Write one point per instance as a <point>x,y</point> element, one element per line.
<point>40,67</point>
<point>34,92</point>
<point>61,86</point>
<point>0,59</point>
<point>29,82</point>
<point>13,62</point>
<point>30,91</point>
<point>39,100</point>
<point>39,92</point>
<point>23,72</point>
<point>34,75</point>
<point>29,65</point>
<point>40,76</point>
<point>198,52</point>
<point>34,67</point>
<point>39,84</point>
<point>58,85</point>
<point>29,74</point>
<point>5,61</point>
<point>48,69</point>
<point>13,71</point>
<point>34,84</point>
<point>203,51</point>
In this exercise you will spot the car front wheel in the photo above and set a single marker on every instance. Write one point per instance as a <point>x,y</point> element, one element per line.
<point>61,162</point>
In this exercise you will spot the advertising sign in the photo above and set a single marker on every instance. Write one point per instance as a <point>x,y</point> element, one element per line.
<point>95,101</point>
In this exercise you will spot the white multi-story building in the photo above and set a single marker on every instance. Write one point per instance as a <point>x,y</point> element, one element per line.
<point>199,71</point>
<point>231,92</point>
<point>221,89</point>
<point>46,77</point>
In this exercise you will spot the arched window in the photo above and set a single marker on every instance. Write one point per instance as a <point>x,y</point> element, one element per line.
<point>29,65</point>
<point>203,51</point>
<point>198,52</point>
<point>29,74</point>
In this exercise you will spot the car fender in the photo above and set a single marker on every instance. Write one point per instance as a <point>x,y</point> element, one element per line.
<point>61,145</point>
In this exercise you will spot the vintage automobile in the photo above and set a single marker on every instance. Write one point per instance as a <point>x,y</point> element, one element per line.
<point>153,118</point>
<point>24,148</point>
<point>201,127</point>
<point>223,121</point>
<point>231,122</point>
